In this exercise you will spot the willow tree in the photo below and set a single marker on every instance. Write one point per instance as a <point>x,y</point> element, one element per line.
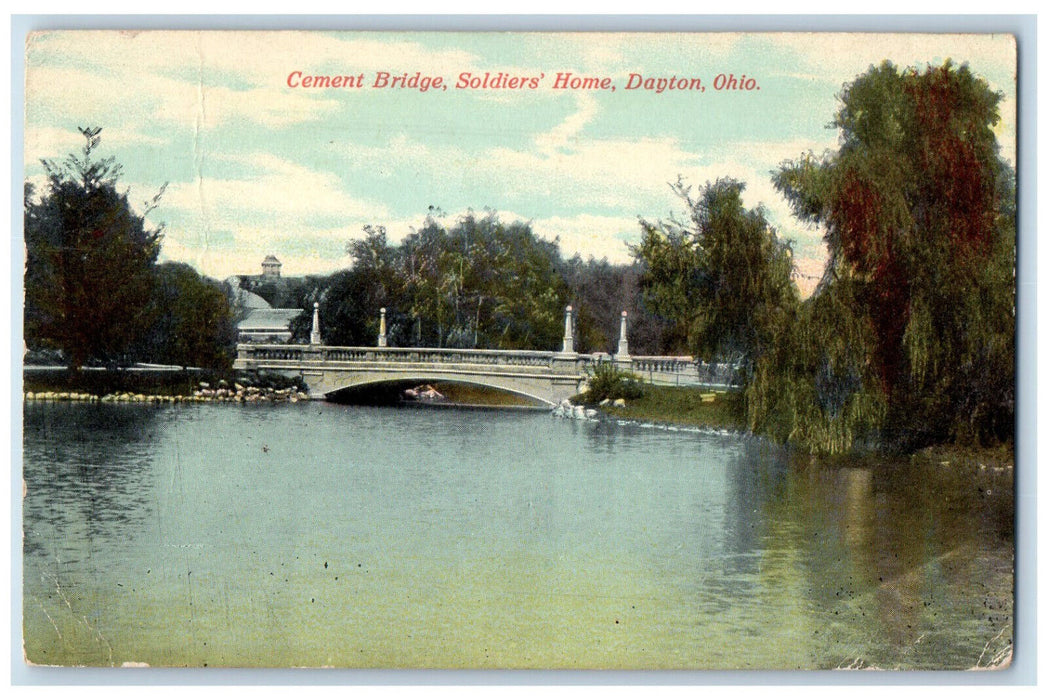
<point>918,213</point>
<point>723,277</point>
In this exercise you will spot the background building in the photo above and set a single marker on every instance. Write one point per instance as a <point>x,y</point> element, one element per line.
<point>252,296</point>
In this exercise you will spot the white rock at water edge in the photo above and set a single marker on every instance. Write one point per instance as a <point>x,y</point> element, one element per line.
<point>566,409</point>
<point>563,410</point>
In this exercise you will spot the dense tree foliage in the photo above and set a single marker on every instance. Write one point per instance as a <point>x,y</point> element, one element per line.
<point>480,283</point>
<point>350,303</point>
<point>600,292</point>
<point>483,283</point>
<point>191,323</point>
<point>723,278</point>
<point>89,261</point>
<point>918,213</point>
<point>93,288</point>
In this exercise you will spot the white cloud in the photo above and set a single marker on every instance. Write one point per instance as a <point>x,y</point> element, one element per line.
<point>990,56</point>
<point>202,80</point>
<point>225,226</point>
<point>221,264</point>
<point>277,190</point>
<point>49,142</point>
<point>129,100</point>
<point>567,132</point>
<point>322,251</point>
<point>257,58</point>
<point>596,173</point>
<point>590,235</point>
<point>852,53</point>
<point>619,51</point>
<point>56,143</point>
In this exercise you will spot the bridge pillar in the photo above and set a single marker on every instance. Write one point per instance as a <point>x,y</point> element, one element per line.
<point>314,335</point>
<point>569,336</point>
<point>623,353</point>
<point>382,328</point>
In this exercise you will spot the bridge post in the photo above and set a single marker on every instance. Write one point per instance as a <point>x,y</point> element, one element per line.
<point>622,357</point>
<point>382,328</point>
<point>569,336</point>
<point>314,335</point>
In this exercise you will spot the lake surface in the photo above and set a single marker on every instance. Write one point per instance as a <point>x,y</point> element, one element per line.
<point>326,535</point>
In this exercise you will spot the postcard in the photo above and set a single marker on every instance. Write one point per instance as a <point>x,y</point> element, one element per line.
<point>502,350</point>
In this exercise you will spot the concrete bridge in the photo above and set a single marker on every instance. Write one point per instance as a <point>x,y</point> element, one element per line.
<point>547,377</point>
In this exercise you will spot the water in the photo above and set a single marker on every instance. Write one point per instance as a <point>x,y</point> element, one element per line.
<point>326,535</point>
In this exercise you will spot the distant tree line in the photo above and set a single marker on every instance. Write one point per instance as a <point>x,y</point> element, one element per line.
<point>478,283</point>
<point>95,294</point>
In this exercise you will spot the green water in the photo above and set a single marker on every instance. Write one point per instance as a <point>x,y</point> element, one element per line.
<point>325,535</point>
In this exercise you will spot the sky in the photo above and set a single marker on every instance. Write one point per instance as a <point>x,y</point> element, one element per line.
<point>256,163</point>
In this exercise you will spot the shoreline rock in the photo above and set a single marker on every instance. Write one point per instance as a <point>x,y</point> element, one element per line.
<point>566,409</point>
<point>203,394</point>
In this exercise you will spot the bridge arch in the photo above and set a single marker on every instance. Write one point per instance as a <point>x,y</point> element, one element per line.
<point>539,394</point>
<point>422,378</point>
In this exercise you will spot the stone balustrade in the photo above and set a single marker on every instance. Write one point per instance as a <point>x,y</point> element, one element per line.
<point>656,363</point>
<point>439,356</point>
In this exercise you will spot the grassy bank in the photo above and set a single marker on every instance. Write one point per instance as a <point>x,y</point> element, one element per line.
<point>1000,457</point>
<point>684,406</point>
<point>692,406</point>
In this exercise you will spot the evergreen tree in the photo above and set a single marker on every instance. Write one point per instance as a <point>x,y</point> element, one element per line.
<point>89,261</point>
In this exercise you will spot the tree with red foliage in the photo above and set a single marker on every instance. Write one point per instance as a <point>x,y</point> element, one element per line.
<point>918,212</point>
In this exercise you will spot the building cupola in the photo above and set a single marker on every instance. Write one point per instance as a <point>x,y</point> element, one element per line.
<point>271,267</point>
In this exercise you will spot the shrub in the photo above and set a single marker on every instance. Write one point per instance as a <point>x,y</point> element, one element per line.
<point>606,381</point>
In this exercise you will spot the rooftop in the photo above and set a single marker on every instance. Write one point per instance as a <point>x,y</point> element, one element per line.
<point>265,319</point>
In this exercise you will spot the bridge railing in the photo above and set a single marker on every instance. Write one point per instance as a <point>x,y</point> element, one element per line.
<point>250,351</point>
<point>684,370</point>
<point>655,363</point>
<point>518,358</point>
<point>334,354</point>
<point>658,369</point>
